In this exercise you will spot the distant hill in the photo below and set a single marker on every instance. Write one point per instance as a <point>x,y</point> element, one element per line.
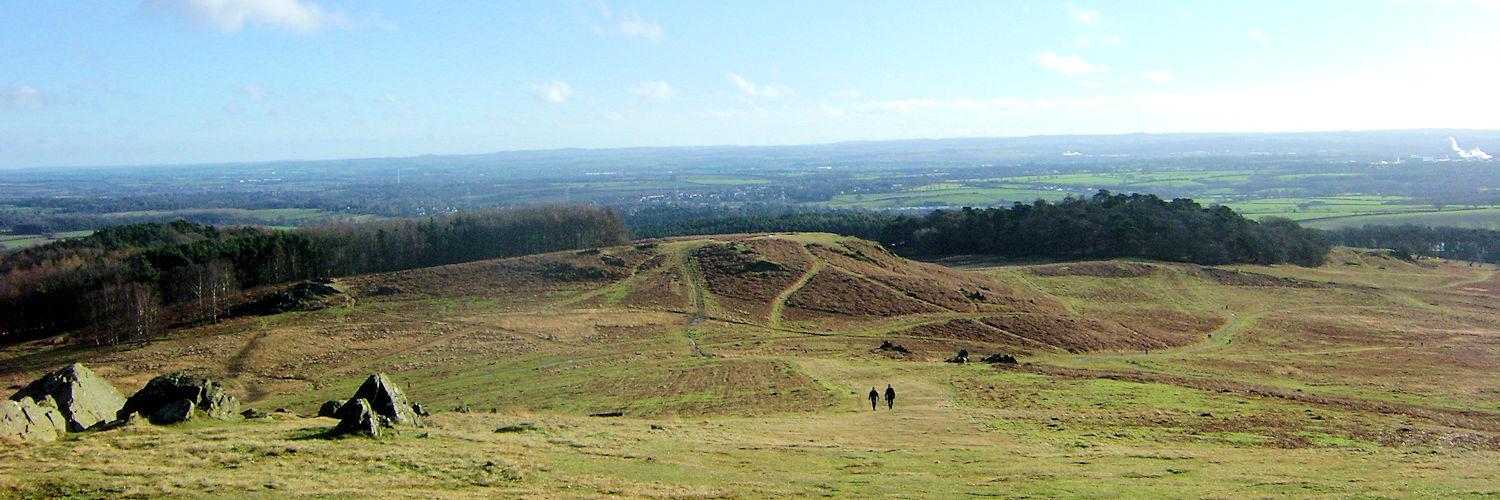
<point>1362,145</point>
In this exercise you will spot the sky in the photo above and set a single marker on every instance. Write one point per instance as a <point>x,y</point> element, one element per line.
<point>106,82</point>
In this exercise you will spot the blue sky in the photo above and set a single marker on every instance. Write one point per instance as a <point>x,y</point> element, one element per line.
<point>193,81</point>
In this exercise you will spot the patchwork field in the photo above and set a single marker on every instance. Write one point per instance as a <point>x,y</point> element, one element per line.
<point>739,365</point>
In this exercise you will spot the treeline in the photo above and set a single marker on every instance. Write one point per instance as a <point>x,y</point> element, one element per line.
<point>867,225</point>
<point>128,282</point>
<point>1411,241</point>
<point>1103,226</point>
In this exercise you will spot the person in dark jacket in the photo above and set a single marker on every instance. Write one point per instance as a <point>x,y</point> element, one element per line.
<point>874,397</point>
<point>890,397</point>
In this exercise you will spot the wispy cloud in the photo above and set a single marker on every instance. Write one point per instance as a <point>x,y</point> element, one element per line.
<point>1260,37</point>
<point>1087,17</point>
<point>637,27</point>
<point>1070,66</point>
<point>230,16</point>
<point>851,93</point>
<point>1110,40</point>
<point>654,89</point>
<point>1157,76</point>
<point>753,90</point>
<point>553,92</point>
<point>253,91</point>
<point>629,24</point>
<point>24,97</point>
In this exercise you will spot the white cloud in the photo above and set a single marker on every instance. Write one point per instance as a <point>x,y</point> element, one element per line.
<point>1088,17</point>
<point>229,16</point>
<point>1088,83</point>
<point>253,91</point>
<point>848,93</point>
<point>1157,76</point>
<point>614,116</point>
<point>753,90</point>
<point>630,24</point>
<point>553,92</point>
<point>654,89</point>
<point>644,29</point>
<point>24,97</point>
<point>1070,66</point>
<point>1260,37</point>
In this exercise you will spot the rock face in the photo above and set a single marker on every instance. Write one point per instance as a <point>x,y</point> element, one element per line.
<point>29,420</point>
<point>172,388</point>
<point>386,399</point>
<point>82,398</point>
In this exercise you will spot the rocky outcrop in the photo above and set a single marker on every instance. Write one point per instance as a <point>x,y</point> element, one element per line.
<point>378,404</point>
<point>305,296</point>
<point>32,421</point>
<point>169,390</point>
<point>1000,358</point>
<point>82,398</point>
<point>386,399</point>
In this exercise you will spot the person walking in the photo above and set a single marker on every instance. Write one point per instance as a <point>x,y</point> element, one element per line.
<point>874,397</point>
<point>890,397</point>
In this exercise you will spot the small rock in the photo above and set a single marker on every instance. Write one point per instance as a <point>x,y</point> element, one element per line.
<point>254,413</point>
<point>330,408</point>
<point>419,410</point>
<point>999,358</point>
<point>521,427</point>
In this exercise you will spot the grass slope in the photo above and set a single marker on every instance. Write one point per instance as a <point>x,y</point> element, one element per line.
<point>742,373</point>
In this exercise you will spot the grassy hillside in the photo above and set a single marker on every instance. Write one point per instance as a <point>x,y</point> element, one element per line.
<point>740,364</point>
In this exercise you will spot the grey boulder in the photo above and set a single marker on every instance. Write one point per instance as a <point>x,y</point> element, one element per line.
<point>206,395</point>
<point>82,398</point>
<point>386,400</point>
<point>28,420</point>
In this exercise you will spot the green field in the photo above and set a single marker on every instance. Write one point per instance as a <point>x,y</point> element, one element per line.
<point>1479,218</point>
<point>13,242</point>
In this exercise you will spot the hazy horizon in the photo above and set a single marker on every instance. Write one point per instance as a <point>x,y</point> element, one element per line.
<point>240,81</point>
